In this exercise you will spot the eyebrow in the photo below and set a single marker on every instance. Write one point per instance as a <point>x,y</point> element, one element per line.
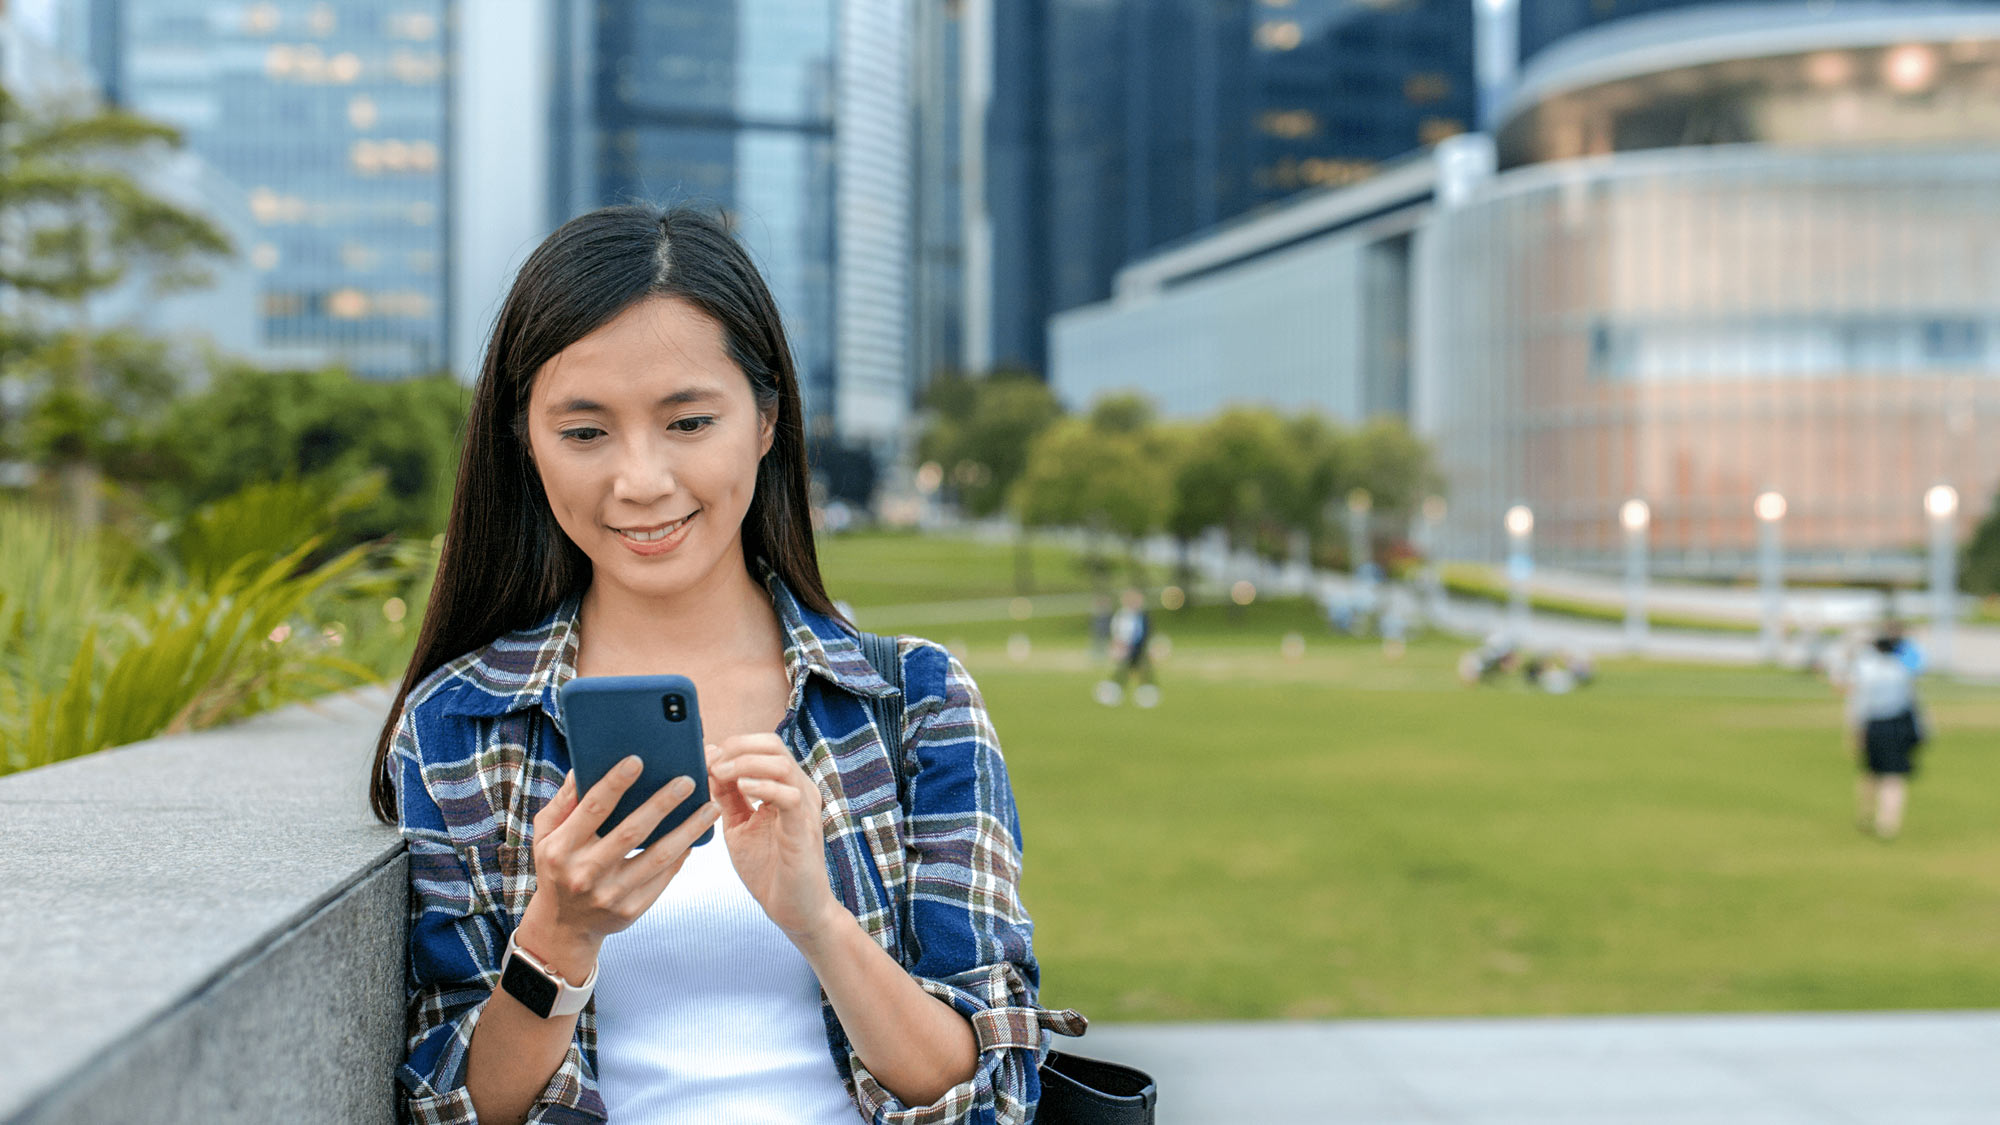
<point>678,398</point>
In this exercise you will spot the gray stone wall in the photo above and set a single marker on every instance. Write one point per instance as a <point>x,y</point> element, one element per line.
<point>206,927</point>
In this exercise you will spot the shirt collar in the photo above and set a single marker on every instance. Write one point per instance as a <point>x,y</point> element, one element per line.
<point>528,667</point>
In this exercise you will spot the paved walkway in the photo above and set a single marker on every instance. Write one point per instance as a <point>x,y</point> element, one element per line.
<point>1866,1069</point>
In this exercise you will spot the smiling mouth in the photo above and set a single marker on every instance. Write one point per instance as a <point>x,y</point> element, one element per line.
<point>655,534</point>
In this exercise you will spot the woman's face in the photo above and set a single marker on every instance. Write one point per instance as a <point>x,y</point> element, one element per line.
<point>647,439</point>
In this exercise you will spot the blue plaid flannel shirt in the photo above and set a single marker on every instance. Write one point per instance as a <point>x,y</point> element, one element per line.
<point>479,750</point>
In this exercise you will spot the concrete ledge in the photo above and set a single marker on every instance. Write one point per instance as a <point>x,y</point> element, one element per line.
<point>208,928</point>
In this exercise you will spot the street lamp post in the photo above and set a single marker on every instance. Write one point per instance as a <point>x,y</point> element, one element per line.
<point>1359,504</point>
<point>1770,508</point>
<point>1434,513</point>
<point>1520,567</point>
<point>1636,517</point>
<point>1941,505</point>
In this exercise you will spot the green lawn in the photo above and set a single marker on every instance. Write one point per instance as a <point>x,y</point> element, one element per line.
<point>1343,836</point>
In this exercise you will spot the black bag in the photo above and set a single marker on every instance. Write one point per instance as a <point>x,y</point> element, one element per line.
<point>1075,1090</point>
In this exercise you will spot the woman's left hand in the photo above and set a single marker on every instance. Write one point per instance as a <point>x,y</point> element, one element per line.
<point>777,846</point>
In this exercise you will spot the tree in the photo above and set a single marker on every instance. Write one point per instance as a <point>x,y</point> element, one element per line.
<point>979,430</point>
<point>1239,472</point>
<point>78,223</point>
<point>254,426</point>
<point>1396,467</point>
<point>1980,569</point>
<point>1105,473</point>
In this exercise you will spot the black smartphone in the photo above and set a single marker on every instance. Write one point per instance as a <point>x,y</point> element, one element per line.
<point>609,718</point>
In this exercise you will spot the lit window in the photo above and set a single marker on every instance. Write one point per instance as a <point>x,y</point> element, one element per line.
<point>395,155</point>
<point>320,20</point>
<point>362,112</point>
<point>1278,35</point>
<point>423,156</point>
<point>1909,69</point>
<point>282,304</point>
<point>344,68</point>
<point>278,61</point>
<point>309,64</point>
<point>260,19</point>
<point>347,304</point>
<point>264,205</point>
<point>1422,89</point>
<point>422,214</point>
<point>264,256</point>
<point>366,156</point>
<point>1289,124</point>
<point>413,25</point>
<point>355,256</point>
<point>1830,68</point>
<point>1434,129</point>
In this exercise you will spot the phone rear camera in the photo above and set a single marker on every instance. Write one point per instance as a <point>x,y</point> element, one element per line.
<point>676,707</point>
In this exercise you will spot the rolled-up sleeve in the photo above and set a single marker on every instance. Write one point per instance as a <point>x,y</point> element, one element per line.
<point>970,940</point>
<point>454,953</point>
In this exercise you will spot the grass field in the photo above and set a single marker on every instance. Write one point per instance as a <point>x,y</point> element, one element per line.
<point>1339,835</point>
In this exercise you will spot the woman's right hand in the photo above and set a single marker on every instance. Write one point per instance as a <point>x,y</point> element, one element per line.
<point>587,886</point>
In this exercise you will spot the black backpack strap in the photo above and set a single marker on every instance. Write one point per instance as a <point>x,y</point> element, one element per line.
<point>880,652</point>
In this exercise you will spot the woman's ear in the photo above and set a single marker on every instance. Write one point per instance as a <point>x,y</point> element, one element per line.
<point>767,429</point>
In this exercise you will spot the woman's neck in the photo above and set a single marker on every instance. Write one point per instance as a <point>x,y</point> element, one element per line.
<point>726,619</point>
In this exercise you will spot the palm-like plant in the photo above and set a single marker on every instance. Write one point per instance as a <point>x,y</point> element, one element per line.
<point>75,222</point>
<point>94,655</point>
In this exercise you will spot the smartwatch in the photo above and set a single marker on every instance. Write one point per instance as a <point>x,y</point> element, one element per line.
<point>539,988</point>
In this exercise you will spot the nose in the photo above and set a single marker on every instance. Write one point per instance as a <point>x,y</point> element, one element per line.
<point>645,472</point>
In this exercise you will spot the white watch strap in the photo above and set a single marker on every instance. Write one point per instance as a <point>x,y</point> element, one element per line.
<point>570,998</point>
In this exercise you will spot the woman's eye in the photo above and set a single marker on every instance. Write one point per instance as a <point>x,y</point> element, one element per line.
<point>692,425</point>
<point>582,433</point>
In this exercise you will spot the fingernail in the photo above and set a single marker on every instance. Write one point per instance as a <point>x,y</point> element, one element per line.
<point>630,766</point>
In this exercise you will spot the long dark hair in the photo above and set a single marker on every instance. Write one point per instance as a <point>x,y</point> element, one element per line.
<point>506,564</point>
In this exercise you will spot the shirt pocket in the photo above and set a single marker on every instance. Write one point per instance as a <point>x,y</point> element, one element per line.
<point>883,832</point>
<point>515,879</point>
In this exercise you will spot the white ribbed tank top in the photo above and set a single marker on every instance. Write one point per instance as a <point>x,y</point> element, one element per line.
<point>707,1013</point>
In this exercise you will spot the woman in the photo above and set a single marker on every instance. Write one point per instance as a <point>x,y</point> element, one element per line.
<point>632,499</point>
<point>1882,714</point>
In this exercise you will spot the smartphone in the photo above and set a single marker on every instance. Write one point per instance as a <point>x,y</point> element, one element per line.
<point>609,718</point>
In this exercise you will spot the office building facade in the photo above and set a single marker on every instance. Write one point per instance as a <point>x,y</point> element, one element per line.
<point>1713,253</point>
<point>792,119</point>
<point>331,120</point>
<point>1111,129</point>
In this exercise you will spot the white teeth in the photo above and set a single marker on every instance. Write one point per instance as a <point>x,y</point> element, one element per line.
<point>657,535</point>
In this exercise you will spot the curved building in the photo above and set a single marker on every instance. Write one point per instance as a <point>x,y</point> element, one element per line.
<point>1727,250</point>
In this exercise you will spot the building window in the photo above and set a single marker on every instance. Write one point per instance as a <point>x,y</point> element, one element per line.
<point>1278,35</point>
<point>1423,89</point>
<point>1290,124</point>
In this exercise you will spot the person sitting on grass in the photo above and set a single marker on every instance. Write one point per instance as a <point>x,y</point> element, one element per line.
<point>631,500</point>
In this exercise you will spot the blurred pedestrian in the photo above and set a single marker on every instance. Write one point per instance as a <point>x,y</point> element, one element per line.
<point>1131,634</point>
<point>1100,627</point>
<point>1882,716</point>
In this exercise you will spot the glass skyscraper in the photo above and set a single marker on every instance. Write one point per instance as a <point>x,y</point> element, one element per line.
<point>332,120</point>
<point>791,118</point>
<point>1115,127</point>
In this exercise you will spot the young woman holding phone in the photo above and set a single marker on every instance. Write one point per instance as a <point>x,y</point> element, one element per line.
<point>632,500</point>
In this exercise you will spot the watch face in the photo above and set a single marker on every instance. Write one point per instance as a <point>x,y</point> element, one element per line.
<point>536,992</point>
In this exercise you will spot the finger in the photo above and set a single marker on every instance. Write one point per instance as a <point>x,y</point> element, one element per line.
<point>602,798</point>
<point>637,826</point>
<point>776,767</point>
<point>559,806</point>
<point>742,745</point>
<point>669,850</point>
<point>785,797</point>
<point>735,806</point>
